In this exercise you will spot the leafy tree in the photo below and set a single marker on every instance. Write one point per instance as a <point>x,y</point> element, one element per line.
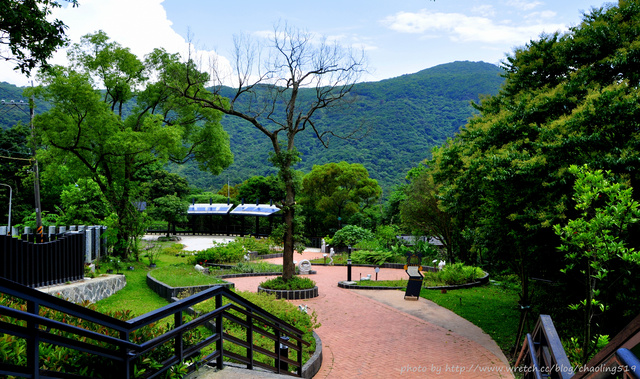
<point>338,191</point>
<point>83,203</point>
<point>274,103</point>
<point>90,132</point>
<point>568,99</point>
<point>261,188</point>
<point>163,183</point>
<point>170,208</point>
<point>421,211</point>
<point>351,235</point>
<point>595,238</point>
<point>30,36</point>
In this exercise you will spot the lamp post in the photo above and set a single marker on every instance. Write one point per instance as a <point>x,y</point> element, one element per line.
<point>10,197</point>
<point>349,265</point>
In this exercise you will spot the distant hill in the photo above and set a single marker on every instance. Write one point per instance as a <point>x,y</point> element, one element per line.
<point>407,116</point>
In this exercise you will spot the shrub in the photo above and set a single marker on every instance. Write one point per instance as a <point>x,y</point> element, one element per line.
<point>295,283</point>
<point>457,273</point>
<point>375,257</point>
<point>221,253</point>
<point>350,235</point>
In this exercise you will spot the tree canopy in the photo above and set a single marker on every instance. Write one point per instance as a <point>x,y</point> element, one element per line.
<point>88,131</point>
<point>274,103</point>
<point>30,36</point>
<point>568,99</point>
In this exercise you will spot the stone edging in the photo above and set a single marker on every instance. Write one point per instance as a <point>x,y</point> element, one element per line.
<point>91,289</point>
<point>399,266</point>
<point>169,292</point>
<point>242,275</point>
<point>292,294</point>
<point>343,284</point>
<point>482,281</point>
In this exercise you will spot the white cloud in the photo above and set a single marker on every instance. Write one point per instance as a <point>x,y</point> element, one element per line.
<point>462,28</point>
<point>524,4</point>
<point>139,25</point>
<point>484,10</point>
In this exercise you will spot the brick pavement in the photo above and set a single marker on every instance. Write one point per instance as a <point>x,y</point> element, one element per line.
<point>363,338</point>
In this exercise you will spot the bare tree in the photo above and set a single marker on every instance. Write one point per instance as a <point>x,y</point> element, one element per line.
<point>267,93</point>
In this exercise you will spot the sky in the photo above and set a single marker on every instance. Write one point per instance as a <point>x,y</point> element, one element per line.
<point>398,36</point>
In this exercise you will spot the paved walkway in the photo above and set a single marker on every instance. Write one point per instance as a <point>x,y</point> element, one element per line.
<point>377,334</point>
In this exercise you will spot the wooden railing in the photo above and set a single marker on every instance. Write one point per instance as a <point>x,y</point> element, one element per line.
<point>542,355</point>
<point>35,329</point>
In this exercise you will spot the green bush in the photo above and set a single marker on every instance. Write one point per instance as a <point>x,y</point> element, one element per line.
<point>295,283</point>
<point>261,246</point>
<point>280,308</point>
<point>374,257</point>
<point>231,252</point>
<point>457,273</point>
<point>350,235</point>
<point>66,360</point>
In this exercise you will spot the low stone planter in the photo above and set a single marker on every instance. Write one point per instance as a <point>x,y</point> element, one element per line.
<point>292,294</point>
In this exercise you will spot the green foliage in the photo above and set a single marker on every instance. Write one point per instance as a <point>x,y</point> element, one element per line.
<point>261,188</point>
<point>30,34</point>
<point>110,122</point>
<point>183,275</point>
<point>82,203</point>
<point>596,237</point>
<point>221,253</point>
<point>66,360</point>
<point>295,283</point>
<point>458,273</point>
<point>375,257</point>
<point>405,117</point>
<point>278,307</point>
<point>337,191</point>
<point>573,348</point>
<point>350,235</point>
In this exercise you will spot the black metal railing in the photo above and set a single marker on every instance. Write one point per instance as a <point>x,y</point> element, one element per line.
<point>43,264</point>
<point>542,354</point>
<point>32,327</point>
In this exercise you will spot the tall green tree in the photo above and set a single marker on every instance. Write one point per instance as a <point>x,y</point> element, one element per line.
<point>592,241</point>
<point>334,193</point>
<point>29,33</point>
<point>274,105</point>
<point>110,121</point>
<point>262,188</point>
<point>568,99</point>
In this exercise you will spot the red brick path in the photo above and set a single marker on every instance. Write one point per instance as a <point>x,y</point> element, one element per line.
<point>363,338</point>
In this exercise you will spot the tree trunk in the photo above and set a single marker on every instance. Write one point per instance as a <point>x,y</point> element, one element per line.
<point>288,268</point>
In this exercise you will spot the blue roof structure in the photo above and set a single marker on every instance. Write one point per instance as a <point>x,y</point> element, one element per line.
<point>255,210</point>
<point>209,209</point>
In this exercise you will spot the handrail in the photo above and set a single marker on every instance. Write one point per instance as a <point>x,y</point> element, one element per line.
<point>543,351</point>
<point>628,337</point>
<point>38,329</point>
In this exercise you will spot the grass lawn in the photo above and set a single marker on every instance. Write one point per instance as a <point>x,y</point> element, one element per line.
<point>136,295</point>
<point>492,308</point>
<point>183,275</point>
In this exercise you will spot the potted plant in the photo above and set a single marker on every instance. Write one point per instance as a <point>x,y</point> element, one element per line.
<point>152,255</point>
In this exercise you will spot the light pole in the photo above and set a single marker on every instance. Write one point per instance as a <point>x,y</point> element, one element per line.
<point>10,196</point>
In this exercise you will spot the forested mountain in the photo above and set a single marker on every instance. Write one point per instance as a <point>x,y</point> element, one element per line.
<point>405,117</point>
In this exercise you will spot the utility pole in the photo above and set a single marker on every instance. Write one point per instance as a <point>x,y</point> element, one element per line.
<point>36,181</point>
<point>36,173</point>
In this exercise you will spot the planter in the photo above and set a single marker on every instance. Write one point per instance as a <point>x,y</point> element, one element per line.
<point>292,294</point>
<point>153,265</point>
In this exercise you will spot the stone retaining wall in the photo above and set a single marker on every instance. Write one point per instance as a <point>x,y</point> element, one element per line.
<point>91,289</point>
<point>169,292</point>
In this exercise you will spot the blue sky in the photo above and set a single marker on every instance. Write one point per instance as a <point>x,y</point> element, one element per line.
<point>399,37</point>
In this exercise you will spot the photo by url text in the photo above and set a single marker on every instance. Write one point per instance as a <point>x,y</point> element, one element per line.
<point>460,369</point>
